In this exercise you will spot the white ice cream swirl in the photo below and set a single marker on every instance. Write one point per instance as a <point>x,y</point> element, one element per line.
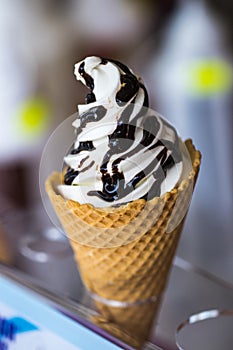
<point>123,150</point>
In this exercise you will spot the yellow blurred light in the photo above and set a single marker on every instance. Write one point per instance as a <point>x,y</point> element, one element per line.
<point>208,77</point>
<point>33,117</point>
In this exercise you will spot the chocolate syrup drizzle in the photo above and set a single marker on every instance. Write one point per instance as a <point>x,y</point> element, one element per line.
<point>114,186</point>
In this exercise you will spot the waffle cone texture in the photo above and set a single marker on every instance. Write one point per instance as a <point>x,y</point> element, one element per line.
<point>124,254</point>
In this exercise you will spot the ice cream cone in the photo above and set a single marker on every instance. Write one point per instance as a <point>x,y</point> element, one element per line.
<point>124,254</point>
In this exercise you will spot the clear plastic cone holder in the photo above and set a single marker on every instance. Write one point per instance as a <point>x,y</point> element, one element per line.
<point>122,301</point>
<point>207,330</point>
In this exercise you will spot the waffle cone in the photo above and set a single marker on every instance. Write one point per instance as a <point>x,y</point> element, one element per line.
<point>124,254</point>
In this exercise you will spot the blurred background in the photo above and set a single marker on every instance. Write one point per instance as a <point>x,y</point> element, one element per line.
<point>183,50</point>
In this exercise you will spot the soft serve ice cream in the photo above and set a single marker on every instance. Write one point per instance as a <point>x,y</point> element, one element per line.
<point>123,150</point>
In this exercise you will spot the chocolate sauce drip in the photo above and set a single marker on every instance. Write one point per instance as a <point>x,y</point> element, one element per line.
<point>122,66</point>
<point>88,79</point>
<point>129,88</point>
<point>83,146</point>
<point>71,173</point>
<point>94,114</point>
<point>113,187</point>
<point>82,162</point>
<point>131,79</point>
<point>90,98</point>
<point>104,61</point>
<point>169,163</point>
<point>146,97</point>
<point>119,140</point>
<point>159,176</point>
<point>126,114</point>
<point>89,83</point>
<point>159,159</point>
<point>70,176</point>
<point>87,167</point>
<point>173,147</point>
